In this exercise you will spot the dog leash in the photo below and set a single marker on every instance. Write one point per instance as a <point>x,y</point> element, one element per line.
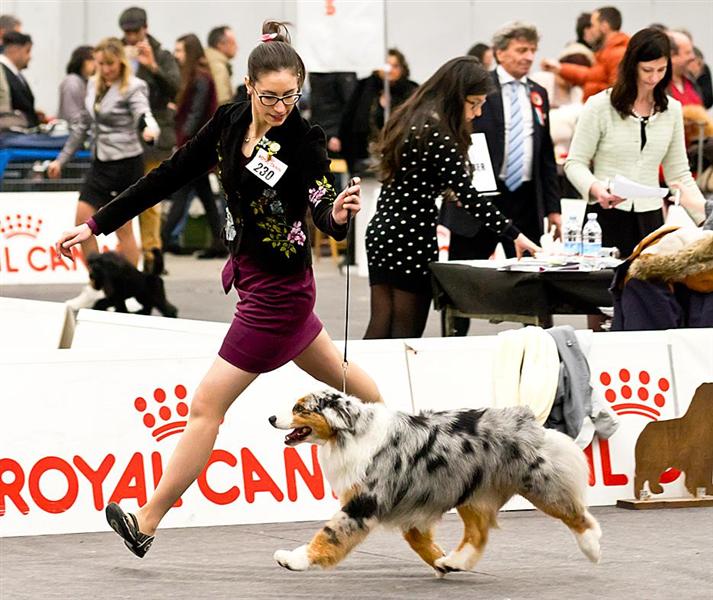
<point>345,362</point>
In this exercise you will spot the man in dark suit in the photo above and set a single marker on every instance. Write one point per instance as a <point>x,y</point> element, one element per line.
<point>17,49</point>
<point>515,121</point>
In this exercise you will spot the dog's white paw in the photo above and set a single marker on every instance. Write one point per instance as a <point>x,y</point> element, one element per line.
<point>294,560</point>
<point>588,542</point>
<point>458,560</point>
<point>443,566</point>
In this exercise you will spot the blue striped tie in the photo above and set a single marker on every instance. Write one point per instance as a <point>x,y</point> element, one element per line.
<point>516,149</point>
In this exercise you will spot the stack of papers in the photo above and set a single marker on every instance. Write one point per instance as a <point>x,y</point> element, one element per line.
<point>626,188</point>
<point>539,265</point>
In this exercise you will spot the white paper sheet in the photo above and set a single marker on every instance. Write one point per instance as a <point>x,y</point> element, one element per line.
<point>626,188</point>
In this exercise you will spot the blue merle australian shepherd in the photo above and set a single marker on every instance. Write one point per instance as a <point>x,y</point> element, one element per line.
<point>400,470</point>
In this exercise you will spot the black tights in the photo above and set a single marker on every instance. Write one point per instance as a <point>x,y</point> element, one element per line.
<point>396,313</point>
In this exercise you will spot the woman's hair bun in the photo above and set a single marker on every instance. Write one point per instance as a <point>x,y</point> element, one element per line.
<point>275,31</point>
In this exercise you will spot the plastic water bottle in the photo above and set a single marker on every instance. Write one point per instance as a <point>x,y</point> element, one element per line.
<point>572,237</point>
<point>592,240</point>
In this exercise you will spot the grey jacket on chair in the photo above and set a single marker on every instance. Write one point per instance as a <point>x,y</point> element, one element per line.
<point>577,410</point>
<point>114,122</point>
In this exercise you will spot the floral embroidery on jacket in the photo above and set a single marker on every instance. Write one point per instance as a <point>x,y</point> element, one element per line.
<point>269,146</point>
<point>322,189</point>
<point>296,235</point>
<point>268,198</point>
<point>283,237</point>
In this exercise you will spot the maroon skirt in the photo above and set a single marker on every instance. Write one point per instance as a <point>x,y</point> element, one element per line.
<point>274,321</point>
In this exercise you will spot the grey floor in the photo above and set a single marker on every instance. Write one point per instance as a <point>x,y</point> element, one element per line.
<point>646,555</point>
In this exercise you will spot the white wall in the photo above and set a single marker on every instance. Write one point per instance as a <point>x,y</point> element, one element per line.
<point>428,32</point>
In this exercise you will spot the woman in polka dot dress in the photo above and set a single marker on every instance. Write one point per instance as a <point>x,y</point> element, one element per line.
<point>424,152</point>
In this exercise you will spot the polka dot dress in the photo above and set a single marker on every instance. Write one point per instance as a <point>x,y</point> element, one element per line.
<point>401,238</point>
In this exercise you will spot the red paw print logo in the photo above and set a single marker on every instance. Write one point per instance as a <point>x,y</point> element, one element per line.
<point>162,414</point>
<point>638,396</point>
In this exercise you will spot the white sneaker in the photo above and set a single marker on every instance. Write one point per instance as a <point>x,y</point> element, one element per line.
<point>85,299</point>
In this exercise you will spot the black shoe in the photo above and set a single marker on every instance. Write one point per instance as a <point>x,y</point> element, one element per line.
<point>126,525</point>
<point>213,253</point>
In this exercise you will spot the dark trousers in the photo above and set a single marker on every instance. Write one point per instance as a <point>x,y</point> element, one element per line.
<point>179,204</point>
<point>625,229</point>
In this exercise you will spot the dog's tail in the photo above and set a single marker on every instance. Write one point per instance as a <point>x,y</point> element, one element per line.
<point>572,467</point>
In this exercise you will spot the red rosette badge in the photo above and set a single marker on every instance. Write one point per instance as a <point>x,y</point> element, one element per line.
<point>537,102</point>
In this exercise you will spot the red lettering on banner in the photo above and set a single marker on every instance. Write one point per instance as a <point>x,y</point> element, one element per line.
<point>263,483</point>
<point>56,260</point>
<point>230,495</point>
<point>157,469</point>
<point>96,478</point>
<point>53,463</point>
<point>330,9</point>
<point>132,483</point>
<point>608,477</point>
<point>12,490</point>
<point>590,463</point>
<point>8,265</point>
<point>31,259</point>
<point>314,480</point>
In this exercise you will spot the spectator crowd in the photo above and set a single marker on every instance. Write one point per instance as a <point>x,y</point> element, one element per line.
<point>611,102</point>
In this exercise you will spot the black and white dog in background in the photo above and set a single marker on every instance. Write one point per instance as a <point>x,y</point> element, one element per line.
<point>405,471</point>
<point>120,280</point>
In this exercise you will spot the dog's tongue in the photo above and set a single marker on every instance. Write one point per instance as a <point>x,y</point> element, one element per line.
<point>298,434</point>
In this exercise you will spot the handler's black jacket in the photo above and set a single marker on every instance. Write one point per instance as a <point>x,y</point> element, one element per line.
<point>270,221</point>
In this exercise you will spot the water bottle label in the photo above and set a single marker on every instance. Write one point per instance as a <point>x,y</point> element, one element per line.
<point>571,247</point>
<point>591,249</point>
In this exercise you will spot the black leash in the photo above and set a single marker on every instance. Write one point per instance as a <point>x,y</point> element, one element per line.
<point>345,362</point>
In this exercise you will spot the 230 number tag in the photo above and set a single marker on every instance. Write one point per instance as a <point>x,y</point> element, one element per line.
<point>267,168</point>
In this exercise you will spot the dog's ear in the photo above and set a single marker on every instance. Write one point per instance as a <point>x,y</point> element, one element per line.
<point>339,410</point>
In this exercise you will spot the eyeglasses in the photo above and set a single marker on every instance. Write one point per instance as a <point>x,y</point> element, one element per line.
<point>476,103</point>
<point>270,100</point>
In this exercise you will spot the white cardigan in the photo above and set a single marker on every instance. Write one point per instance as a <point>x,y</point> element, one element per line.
<point>613,145</point>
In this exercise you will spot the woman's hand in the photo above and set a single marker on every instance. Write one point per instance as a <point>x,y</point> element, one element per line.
<point>149,135</point>
<point>70,238</point>
<point>525,244</point>
<point>601,194</point>
<point>54,170</point>
<point>693,203</point>
<point>348,201</point>
<point>552,66</point>
<point>334,144</point>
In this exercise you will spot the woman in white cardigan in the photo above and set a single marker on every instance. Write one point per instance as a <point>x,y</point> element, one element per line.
<point>631,130</point>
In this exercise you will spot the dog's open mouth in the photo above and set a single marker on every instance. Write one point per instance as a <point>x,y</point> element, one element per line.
<point>297,435</point>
